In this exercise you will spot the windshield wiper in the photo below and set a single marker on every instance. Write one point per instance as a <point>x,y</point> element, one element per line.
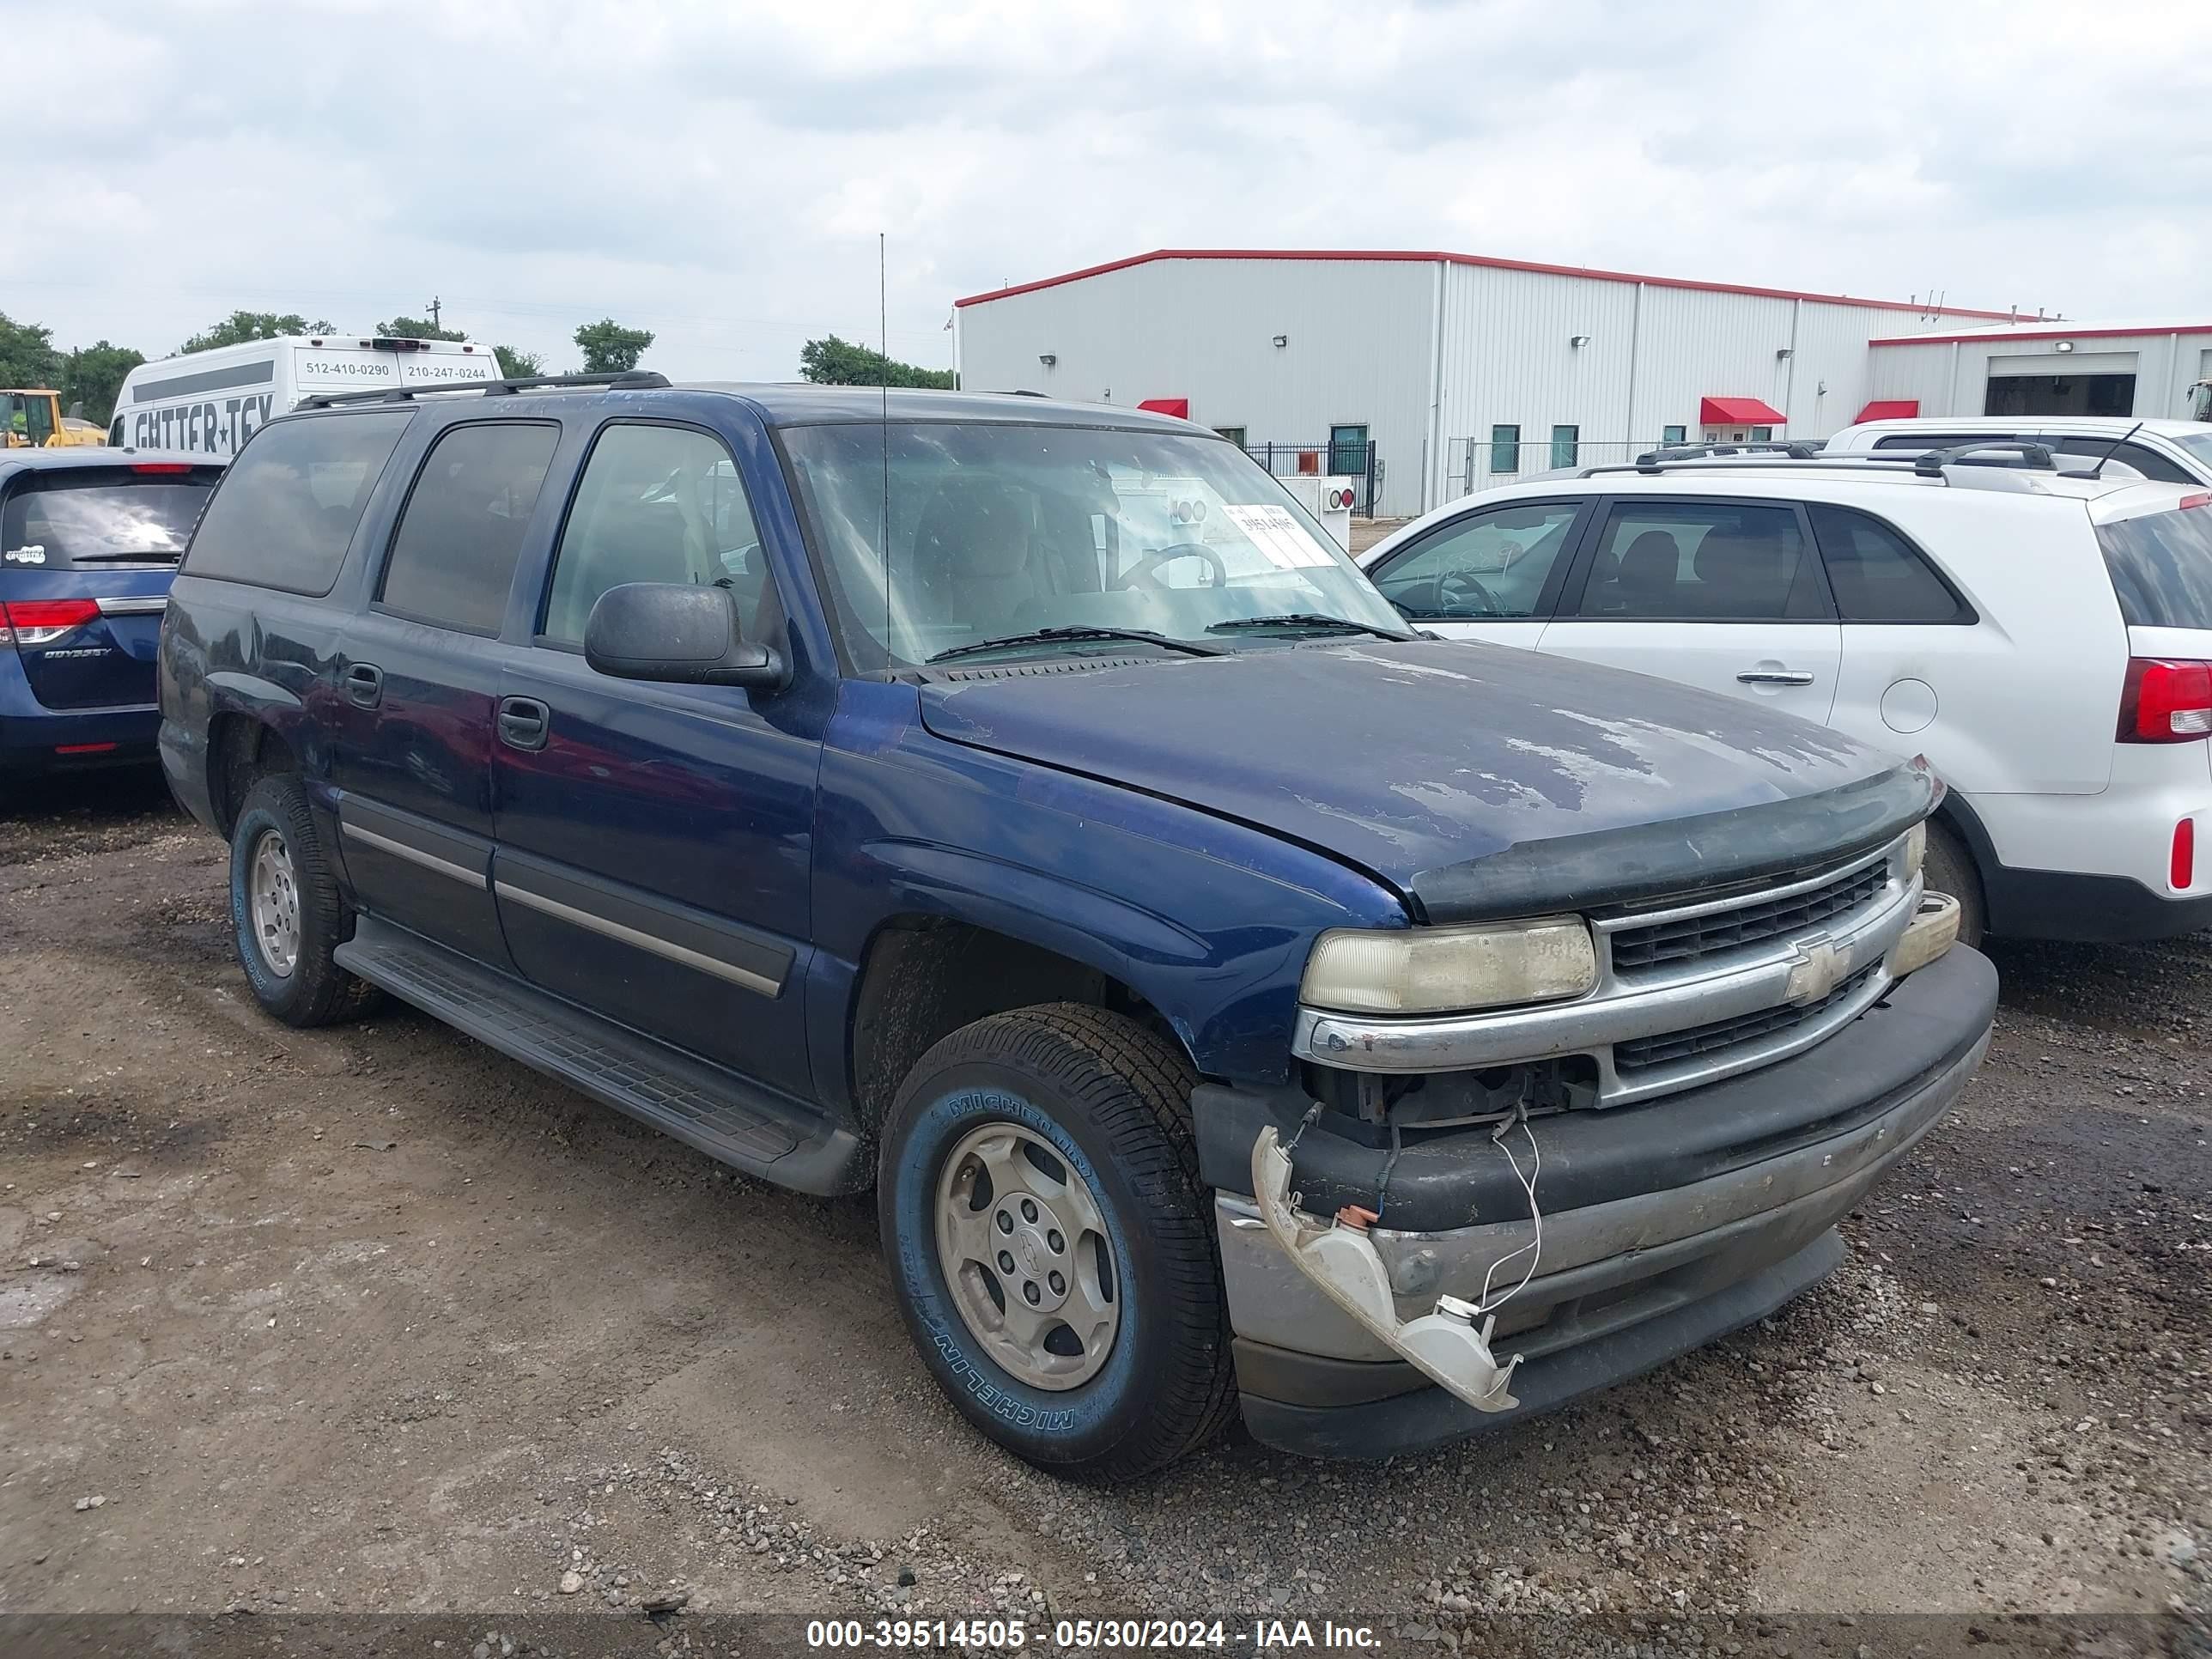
<point>144,556</point>
<point>1054,636</point>
<point>1307,619</point>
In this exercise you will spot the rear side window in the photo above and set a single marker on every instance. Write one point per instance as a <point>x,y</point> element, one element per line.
<point>1876,576</point>
<point>287,508</point>
<point>453,557</point>
<point>2161,567</point>
<point>95,517</point>
<point>1703,562</point>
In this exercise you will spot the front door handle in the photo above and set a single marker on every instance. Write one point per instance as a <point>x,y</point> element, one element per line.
<point>1775,677</point>
<point>364,685</point>
<point>524,722</point>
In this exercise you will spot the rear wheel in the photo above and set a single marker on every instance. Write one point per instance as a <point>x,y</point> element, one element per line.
<point>1949,868</point>
<point>1050,1244</point>
<point>286,910</point>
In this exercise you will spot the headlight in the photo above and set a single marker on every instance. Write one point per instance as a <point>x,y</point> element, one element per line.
<point>1915,850</point>
<point>1427,970</point>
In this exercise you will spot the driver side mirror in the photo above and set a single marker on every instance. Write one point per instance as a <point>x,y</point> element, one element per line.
<point>677,633</point>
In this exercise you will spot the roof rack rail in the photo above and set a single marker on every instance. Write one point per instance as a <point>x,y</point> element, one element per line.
<point>1930,462</point>
<point>632,380</point>
<point>1926,464</point>
<point>1796,449</point>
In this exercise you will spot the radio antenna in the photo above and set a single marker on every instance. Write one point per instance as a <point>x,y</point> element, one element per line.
<point>884,375</point>
<point>2098,470</point>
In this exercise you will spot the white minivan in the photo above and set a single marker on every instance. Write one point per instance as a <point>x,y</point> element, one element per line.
<point>209,403</point>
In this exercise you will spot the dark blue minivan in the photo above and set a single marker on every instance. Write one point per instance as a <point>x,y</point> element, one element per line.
<point>89,541</point>
<point>1024,810</point>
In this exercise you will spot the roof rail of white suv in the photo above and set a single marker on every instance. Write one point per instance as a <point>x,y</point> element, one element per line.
<point>1972,465</point>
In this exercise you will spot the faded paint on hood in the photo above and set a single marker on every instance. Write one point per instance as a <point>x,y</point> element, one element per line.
<point>1402,758</point>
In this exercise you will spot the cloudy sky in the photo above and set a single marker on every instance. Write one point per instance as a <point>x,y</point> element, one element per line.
<point>718,173</point>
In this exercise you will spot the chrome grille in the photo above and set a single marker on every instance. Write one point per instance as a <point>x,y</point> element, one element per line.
<point>1688,938</point>
<point>1640,1053</point>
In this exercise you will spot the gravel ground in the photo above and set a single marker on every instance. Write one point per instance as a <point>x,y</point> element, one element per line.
<point>374,1319</point>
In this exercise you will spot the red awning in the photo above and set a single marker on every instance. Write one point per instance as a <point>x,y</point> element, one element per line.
<point>1178,407</point>
<point>1738,411</point>
<point>1891,409</point>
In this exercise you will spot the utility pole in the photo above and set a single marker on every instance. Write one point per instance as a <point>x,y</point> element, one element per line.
<point>434,311</point>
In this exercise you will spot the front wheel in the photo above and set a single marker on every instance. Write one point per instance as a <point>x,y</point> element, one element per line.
<point>1050,1244</point>
<point>1948,867</point>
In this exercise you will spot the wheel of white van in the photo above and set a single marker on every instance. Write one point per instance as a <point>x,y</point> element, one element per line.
<point>1948,867</point>
<point>1050,1244</point>
<point>286,911</point>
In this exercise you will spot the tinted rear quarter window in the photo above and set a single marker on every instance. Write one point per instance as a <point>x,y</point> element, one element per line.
<point>287,509</point>
<point>2161,567</point>
<point>452,559</point>
<point>100,518</point>
<point>1875,574</point>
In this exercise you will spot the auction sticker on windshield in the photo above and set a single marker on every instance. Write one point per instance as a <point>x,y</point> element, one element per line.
<point>1281,538</point>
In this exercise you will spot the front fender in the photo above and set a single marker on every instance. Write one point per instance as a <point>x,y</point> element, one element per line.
<point>1209,921</point>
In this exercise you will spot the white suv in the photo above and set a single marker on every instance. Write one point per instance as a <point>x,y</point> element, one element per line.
<point>2045,640</point>
<point>2172,451</point>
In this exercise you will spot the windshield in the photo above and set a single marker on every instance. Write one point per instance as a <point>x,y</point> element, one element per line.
<point>1002,530</point>
<point>58,521</point>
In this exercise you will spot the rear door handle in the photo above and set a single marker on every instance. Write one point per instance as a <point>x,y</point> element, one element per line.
<point>364,685</point>
<point>524,722</point>
<point>1775,677</point>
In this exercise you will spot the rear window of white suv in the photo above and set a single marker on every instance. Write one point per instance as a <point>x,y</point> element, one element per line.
<point>2161,565</point>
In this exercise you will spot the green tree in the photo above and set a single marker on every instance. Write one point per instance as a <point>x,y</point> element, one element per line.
<point>243,325</point>
<point>610,349</point>
<point>28,357</point>
<point>833,362</point>
<point>92,375</point>
<point>417,328</point>
<point>516,364</point>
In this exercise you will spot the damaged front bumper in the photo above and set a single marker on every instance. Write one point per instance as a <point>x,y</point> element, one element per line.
<point>1665,1224</point>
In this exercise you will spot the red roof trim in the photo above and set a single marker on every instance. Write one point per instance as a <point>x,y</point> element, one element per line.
<point>1483,261</point>
<point>2148,331</point>
<point>1739,411</point>
<point>1888,409</point>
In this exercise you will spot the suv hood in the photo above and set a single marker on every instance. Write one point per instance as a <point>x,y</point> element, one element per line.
<point>1452,771</point>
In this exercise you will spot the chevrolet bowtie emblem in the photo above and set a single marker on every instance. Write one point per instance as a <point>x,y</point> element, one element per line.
<point>1818,966</point>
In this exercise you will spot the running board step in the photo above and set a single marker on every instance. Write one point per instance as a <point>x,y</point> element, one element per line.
<point>722,1115</point>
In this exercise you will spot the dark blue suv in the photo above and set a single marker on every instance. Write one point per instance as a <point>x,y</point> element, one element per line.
<point>1024,810</point>
<point>89,541</point>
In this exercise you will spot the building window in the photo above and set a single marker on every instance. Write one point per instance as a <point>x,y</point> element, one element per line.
<point>1567,445</point>
<point>1234,434</point>
<point>1675,435</point>
<point>1347,450</point>
<point>1762,435</point>
<point>1505,449</point>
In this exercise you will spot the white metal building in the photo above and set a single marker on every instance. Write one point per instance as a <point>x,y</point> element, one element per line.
<point>1460,371</point>
<point>2035,367</point>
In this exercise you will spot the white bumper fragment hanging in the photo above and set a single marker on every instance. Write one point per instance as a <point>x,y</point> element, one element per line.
<point>1338,1256</point>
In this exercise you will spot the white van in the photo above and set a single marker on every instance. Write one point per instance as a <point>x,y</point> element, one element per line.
<point>2168,451</point>
<point>211,402</point>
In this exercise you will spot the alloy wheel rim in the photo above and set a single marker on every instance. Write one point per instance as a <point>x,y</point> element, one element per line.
<point>1022,1240</point>
<point>273,904</point>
